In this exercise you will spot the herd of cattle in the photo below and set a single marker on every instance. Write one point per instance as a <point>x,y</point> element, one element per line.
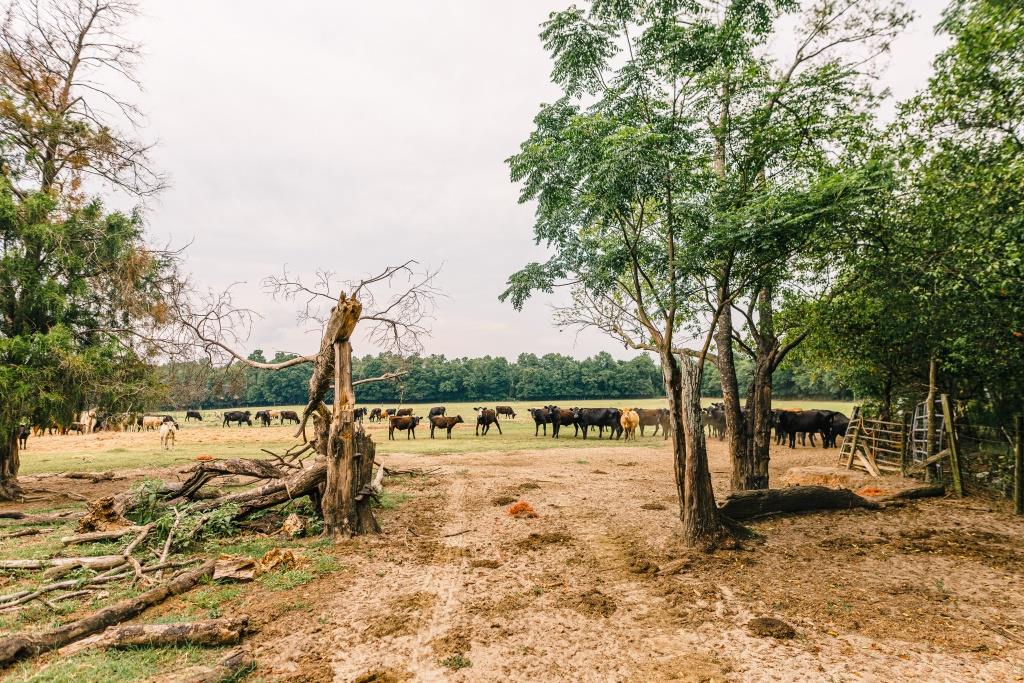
<point>620,422</point>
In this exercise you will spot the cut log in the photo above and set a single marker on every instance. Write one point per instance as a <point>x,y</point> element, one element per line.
<point>18,647</point>
<point>99,535</point>
<point>231,667</point>
<point>90,476</point>
<point>98,562</point>
<point>750,504</point>
<point>209,632</point>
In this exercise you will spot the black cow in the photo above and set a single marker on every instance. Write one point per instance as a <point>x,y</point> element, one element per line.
<point>442,422</point>
<point>650,417</point>
<point>434,412</point>
<point>561,417</point>
<point>290,415</point>
<point>541,417</point>
<point>404,423</point>
<point>263,416</point>
<point>840,423</point>
<point>237,416</point>
<point>358,414</point>
<point>376,415</point>
<point>713,417</point>
<point>23,432</point>
<point>390,412</point>
<point>193,415</point>
<point>485,417</point>
<point>600,418</point>
<point>75,427</point>
<point>506,411</point>
<point>807,421</point>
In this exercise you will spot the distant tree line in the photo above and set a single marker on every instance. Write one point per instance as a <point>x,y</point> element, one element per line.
<point>438,379</point>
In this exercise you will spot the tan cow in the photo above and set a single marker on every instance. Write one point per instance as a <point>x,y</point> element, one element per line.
<point>629,421</point>
<point>167,430</point>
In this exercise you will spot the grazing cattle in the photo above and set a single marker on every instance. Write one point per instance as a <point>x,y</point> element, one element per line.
<point>541,417</point>
<point>193,415</point>
<point>839,425</point>
<point>167,430</point>
<point>75,427</point>
<point>561,417</point>
<point>713,418</point>
<point>23,432</point>
<point>442,422</point>
<point>390,412</point>
<point>485,417</point>
<point>403,412</point>
<point>291,416</point>
<point>358,414</point>
<point>237,416</point>
<point>629,421</point>
<point>505,410</point>
<point>600,418</point>
<point>810,422</point>
<point>434,412</point>
<point>404,423</point>
<point>262,416</point>
<point>650,417</point>
<point>665,423</point>
<point>376,415</point>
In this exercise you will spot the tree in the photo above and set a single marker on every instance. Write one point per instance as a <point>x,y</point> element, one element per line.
<point>70,273</point>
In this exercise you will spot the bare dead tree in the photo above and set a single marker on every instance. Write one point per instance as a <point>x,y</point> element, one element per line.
<point>62,65</point>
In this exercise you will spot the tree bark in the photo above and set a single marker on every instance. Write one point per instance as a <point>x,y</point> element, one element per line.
<point>750,472</point>
<point>735,428</point>
<point>673,381</point>
<point>10,463</point>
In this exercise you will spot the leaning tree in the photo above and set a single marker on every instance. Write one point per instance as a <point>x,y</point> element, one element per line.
<point>395,319</point>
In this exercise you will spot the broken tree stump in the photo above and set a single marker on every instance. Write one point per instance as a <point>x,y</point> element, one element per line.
<point>751,504</point>
<point>18,647</point>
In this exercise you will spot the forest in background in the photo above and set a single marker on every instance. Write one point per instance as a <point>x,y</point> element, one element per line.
<point>436,378</point>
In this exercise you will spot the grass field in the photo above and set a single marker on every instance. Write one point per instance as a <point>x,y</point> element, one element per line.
<point>129,450</point>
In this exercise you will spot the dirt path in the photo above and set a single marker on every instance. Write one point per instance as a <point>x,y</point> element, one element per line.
<point>457,590</point>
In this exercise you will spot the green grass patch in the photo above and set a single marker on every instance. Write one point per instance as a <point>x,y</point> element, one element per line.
<point>282,581</point>
<point>455,662</point>
<point>392,500</point>
<point>211,599</point>
<point>115,666</point>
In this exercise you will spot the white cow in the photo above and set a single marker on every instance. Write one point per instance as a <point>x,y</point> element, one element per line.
<point>167,430</point>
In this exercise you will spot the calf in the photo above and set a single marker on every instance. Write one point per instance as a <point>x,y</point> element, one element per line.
<point>629,421</point>
<point>561,417</point>
<point>23,432</point>
<point>291,416</point>
<point>434,412</point>
<point>485,417</point>
<point>505,410</point>
<point>193,415</point>
<point>167,430</point>
<point>600,418</point>
<point>442,422</point>
<point>650,417</point>
<point>263,416</point>
<point>404,423</point>
<point>237,416</point>
<point>541,417</point>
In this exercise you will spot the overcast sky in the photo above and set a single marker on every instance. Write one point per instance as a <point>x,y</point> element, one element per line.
<point>348,136</point>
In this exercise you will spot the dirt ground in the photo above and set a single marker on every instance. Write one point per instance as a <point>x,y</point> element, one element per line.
<point>597,587</point>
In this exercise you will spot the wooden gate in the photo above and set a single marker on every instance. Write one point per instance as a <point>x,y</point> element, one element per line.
<point>875,446</point>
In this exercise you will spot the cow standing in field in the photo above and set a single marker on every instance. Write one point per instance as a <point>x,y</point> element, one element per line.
<point>485,417</point>
<point>650,417</point>
<point>404,423</point>
<point>810,422</point>
<point>541,417</point>
<point>77,427</point>
<point>629,421</point>
<point>436,411</point>
<point>376,415</point>
<point>291,416</point>
<point>506,411</point>
<point>446,423</point>
<point>193,415</point>
<point>238,416</point>
<point>713,417</point>
<point>262,416</point>
<point>561,417</point>
<point>403,412</point>
<point>358,414</point>
<point>600,418</point>
<point>23,432</point>
<point>167,430</point>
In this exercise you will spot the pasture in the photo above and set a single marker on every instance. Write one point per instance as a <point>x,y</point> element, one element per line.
<point>595,587</point>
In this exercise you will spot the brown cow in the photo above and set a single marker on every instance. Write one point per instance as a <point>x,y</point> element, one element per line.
<point>650,417</point>
<point>442,422</point>
<point>290,415</point>
<point>561,417</point>
<point>403,412</point>
<point>405,423</point>
<point>485,417</point>
<point>505,410</point>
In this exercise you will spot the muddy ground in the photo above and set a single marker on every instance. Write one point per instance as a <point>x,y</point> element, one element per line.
<point>597,587</point>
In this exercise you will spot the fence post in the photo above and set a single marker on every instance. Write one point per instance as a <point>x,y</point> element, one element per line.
<point>905,444</point>
<point>1018,468</point>
<point>954,447</point>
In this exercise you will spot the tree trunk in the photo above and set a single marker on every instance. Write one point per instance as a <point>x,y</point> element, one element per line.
<point>10,463</point>
<point>672,379</point>
<point>735,429</point>
<point>750,472</point>
<point>703,526</point>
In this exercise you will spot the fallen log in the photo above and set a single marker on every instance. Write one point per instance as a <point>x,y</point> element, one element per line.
<point>26,532</point>
<point>751,504</point>
<point>26,518</point>
<point>272,493</point>
<point>210,632</point>
<point>206,471</point>
<point>98,562</point>
<point>231,667</point>
<point>100,535</point>
<point>90,476</point>
<point>926,491</point>
<point>18,647</point>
